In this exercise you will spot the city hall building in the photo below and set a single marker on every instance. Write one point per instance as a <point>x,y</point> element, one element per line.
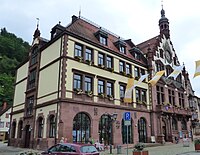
<point>73,86</point>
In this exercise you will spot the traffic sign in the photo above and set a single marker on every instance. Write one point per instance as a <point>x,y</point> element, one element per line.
<point>127,116</point>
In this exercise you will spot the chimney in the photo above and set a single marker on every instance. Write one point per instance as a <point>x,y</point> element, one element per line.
<point>4,105</point>
<point>74,18</point>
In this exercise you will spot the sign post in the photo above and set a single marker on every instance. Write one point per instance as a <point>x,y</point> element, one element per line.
<point>127,122</point>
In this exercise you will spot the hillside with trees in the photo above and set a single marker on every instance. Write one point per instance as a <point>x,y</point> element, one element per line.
<point>13,51</point>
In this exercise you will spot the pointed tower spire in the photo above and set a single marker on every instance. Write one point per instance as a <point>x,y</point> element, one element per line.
<point>164,24</point>
<point>37,31</point>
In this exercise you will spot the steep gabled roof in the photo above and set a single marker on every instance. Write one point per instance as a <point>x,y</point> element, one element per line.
<point>152,43</point>
<point>3,110</point>
<point>87,30</point>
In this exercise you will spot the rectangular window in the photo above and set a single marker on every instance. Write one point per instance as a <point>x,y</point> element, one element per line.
<point>159,67</point>
<point>181,100</point>
<point>100,59</point>
<point>29,106</point>
<point>128,69</point>
<point>78,50</point>
<point>160,94</point>
<point>77,81</point>
<point>122,49</point>
<point>101,87</point>
<point>7,115</point>
<point>142,71</point>
<point>122,91</point>
<point>136,72</point>
<point>34,55</point>
<point>103,40</point>
<point>137,95</point>
<point>171,97</point>
<point>121,66</point>
<point>1,124</point>
<point>109,89</point>
<point>144,96</point>
<point>137,56</point>
<point>7,124</point>
<point>32,79</point>
<point>88,54</point>
<point>88,84</point>
<point>109,62</point>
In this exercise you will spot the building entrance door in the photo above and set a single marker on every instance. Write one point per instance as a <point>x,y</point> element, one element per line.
<point>164,131</point>
<point>27,136</point>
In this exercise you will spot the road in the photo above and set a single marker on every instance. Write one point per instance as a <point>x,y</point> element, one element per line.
<point>169,149</point>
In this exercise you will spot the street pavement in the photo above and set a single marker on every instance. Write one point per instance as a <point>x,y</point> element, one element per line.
<point>167,149</point>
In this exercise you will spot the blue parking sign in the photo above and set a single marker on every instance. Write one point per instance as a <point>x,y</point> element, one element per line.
<point>127,116</point>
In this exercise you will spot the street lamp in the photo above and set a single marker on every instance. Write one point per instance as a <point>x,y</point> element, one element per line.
<point>113,119</point>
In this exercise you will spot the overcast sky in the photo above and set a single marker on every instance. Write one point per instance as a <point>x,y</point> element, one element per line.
<point>129,19</point>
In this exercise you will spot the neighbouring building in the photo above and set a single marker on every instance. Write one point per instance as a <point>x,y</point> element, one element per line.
<point>171,112</point>
<point>195,102</point>
<point>5,111</point>
<point>73,86</point>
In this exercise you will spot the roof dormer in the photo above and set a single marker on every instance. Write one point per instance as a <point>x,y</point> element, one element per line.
<point>102,36</point>
<point>121,45</point>
<point>57,29</point>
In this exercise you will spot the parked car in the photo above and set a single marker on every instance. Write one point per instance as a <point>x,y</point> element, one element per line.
<point>71,149</point>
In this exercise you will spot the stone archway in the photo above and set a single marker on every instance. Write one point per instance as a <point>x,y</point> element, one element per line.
<point>81,128</point>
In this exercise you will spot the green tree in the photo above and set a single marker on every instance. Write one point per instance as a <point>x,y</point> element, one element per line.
<point>13,51</point>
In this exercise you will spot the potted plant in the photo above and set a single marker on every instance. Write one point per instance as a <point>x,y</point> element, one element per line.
<point>139,149</point>
<point>89,93</point>
<point>79,58</point>
<point>197,144</point>
<point>78,91</point>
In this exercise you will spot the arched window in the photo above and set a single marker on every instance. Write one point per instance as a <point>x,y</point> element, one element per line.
<point>20,128</point>
<point>40,127</point>
<point>184,125</point>
<point>124,133</point>
<point>34,55</point>
<point>52,125</point>
<point>13,130</point>
<point>105,129</point>
<point>174,124</point>
<point>142,130</point>
<point>81,128</point>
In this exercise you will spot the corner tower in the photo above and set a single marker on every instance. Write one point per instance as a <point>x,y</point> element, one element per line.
<point>164,24</point>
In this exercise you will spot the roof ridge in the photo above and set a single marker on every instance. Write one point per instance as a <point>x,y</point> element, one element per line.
<point>100,27</point>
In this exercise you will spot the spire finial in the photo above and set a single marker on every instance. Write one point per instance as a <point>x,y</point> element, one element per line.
<point>79,12</point>
<point>162,4</point>
<point>37,31</point>
<point>37,22</point>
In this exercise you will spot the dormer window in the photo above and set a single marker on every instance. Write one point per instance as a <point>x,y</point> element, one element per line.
<point>122,49</point>
<point>121,45</point>
<point>103,40</point>
<point>102,36</point>
<point>137,55</point>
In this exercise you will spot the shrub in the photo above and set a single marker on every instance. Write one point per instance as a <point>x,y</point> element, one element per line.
<point>139,146</point>
<point>197,141</point>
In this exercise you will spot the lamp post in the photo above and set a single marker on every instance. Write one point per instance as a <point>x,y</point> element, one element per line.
<point>113,119</point>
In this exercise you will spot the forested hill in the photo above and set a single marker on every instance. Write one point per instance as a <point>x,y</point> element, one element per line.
<point>13,51</point>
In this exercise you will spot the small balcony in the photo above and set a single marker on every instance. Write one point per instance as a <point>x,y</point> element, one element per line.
<point>173,109</point>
